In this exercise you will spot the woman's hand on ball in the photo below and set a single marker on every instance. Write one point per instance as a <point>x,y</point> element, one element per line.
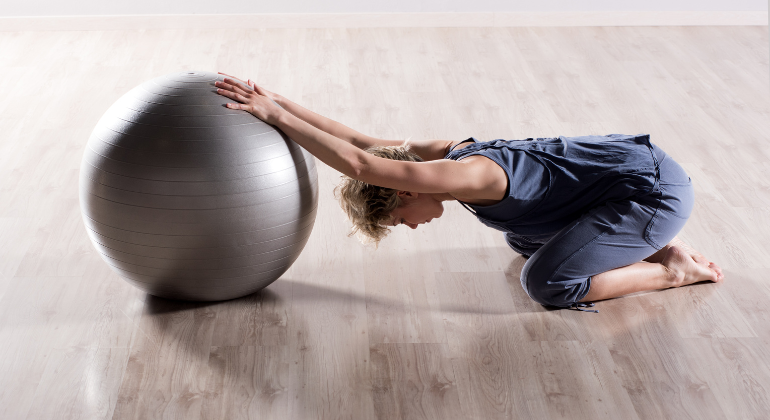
<point>272,95</point>
<point>255,102</point>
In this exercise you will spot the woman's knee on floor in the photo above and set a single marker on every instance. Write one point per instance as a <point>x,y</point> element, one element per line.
<point>546,286</point>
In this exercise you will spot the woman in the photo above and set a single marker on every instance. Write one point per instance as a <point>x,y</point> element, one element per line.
<point>596,216</point>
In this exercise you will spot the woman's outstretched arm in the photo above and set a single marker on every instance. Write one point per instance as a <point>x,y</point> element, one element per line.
<point>426,149</point>
<point>335,128</point>
<point>440,176</point>
<point>320,122</point>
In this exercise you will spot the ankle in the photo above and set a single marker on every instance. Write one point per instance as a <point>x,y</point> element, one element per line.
<point>672,276</point>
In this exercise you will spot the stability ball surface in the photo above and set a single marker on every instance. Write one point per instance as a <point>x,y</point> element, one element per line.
<point>187,199</point>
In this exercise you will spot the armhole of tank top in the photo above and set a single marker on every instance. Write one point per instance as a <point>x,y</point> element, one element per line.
<point>471,139</point>
<point>508,174</point>
<point>508,177</point>
<point>467,207</point>
<point>464,141</point>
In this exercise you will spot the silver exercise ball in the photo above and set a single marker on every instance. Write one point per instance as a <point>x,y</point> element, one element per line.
<point>187,199</point>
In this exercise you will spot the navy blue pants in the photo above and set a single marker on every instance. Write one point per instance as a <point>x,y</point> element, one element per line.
<point>612,235</point>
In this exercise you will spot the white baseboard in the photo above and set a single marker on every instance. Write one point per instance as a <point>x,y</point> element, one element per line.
<point>373,20</point>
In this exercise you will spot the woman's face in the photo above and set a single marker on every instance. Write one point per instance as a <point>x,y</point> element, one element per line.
<point>416,209</point>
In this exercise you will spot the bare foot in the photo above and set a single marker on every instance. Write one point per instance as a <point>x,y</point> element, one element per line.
<point>684,269</point>
<point>688,250</point>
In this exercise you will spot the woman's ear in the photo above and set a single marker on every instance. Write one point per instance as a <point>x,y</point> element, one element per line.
<point>404,194</point>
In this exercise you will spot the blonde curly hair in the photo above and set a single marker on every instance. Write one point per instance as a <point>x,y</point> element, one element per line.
<point>369,206</point>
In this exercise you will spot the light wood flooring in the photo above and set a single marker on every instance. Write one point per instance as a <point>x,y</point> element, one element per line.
<point>434,324</point>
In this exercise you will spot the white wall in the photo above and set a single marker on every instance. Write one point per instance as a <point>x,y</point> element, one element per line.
<point>183,7</point>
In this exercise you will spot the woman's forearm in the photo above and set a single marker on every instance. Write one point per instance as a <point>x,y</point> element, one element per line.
<point>333,151</point>
<point>332,127</point>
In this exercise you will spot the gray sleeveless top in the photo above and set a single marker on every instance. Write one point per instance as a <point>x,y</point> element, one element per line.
<point>553,181</point>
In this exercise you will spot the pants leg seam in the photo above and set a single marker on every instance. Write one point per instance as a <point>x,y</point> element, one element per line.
<point>568,259</point>
<point>650,226</point>
<point>537,257</point>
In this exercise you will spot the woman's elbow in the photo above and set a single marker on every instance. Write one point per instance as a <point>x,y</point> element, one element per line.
<point>356,167</point>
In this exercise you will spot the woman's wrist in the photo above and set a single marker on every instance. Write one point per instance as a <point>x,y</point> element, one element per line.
<point>282,118</point>
<point>278,99</point>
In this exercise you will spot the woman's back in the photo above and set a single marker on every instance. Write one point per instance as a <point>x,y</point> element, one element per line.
<point>552,181</point>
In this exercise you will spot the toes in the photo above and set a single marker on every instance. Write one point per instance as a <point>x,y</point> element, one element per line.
<point>715,267</point>
<point>718,271</point>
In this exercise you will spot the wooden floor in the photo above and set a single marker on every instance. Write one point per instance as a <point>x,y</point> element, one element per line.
<point>434,324</point>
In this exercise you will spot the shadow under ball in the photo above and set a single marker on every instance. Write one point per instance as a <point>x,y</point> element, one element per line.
<point>187,199</point>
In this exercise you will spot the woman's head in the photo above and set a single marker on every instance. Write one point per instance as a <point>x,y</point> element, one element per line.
<point>369,207</point>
